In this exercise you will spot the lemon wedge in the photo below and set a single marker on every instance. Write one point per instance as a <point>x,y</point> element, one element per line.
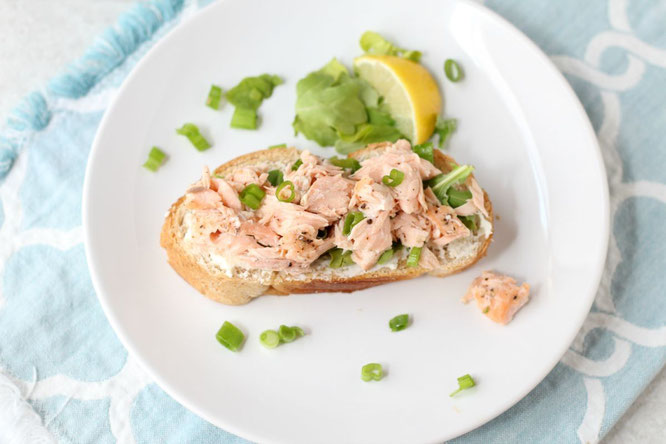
<point>410,93</point>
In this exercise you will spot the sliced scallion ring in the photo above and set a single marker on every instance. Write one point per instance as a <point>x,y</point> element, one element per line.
<point>414,256</point>
<point>372,372</point>
<point>214,97</point>
<point>452,70</point>
<point>464,382</point>
<point>288,334</point>
<point>269,339</point>
<point>275,177</point>
<point>155,159</point>
<point>352,219</point>
<point>286,183</point>
<point>399,322</point>
<point>230,336</point>
<point>191,131</point>
<point>252,196</point>
<point>386,256</point>
<point>244,118</point>
<point>394,178</point>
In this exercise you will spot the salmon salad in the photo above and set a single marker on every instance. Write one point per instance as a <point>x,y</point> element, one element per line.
<point>287,217</point>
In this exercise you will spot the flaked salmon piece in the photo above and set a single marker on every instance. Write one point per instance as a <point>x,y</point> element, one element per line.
<point>340,240</point>
<point>409,194</point>
<point>411,230</point>
<point>498,296</point>
<point>233,245</point>
<point>244,176</point>
<point>228,194</point>
<point>316,167</point>
<point>476,203</point>
<point>303,251</point>
<point>287,218</point>
<point>371,198</point>
<point>311,168</point>
<point>201,198</point>
<point>446,227</point>
<point>204,223</point>
<point>467,209</point>
<point>261,233</point>
<point>428,260</point>
<point>328,196</point>
<point>371,237</point>
<point>478,198</point>
<point>271,258</point>
<point>205,177</point>
<point>430,197</point>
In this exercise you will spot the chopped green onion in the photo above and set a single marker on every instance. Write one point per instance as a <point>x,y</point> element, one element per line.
<point>348,163</point>
<point>191,131</point>
<point>441,183</point>
<point>230,336</point>
<point>444,128</point>
<point>388,254</point>
<point>281,145</point>
<point>286,183</point>
<point>340,258</point>
<point>385,257</point>
<point>414,56</point>
<point>272,338</point>
<point>399,322</point>
<point>352,219</point>
<point>251,91</point>
<point>244,118</point>
<point>469,222</point>
<point>289,334</point>
<point>452,70</point>
<point>155,159</point>
<point>269,339</point>
<point>372,372</point>
<point>296,164</point>
<point>275,177</point>
<point>394,178</point>
<point>214,97</point>
<point>414,256</point>
<point>373,43</point>
<point>458,197</point>
<point>464,382</point>
<point>424,151</point>
<point>252,196</point>
<point>486,310</point>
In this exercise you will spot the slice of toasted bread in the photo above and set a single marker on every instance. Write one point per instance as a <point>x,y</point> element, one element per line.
<point>238,286</point>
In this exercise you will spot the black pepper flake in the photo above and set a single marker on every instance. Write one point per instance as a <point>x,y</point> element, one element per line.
<point>369,221</point>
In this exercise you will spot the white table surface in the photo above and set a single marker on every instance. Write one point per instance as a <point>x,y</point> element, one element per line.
<point>38,36</point>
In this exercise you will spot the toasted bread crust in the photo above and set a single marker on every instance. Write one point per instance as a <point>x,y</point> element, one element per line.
<point>236,291</point>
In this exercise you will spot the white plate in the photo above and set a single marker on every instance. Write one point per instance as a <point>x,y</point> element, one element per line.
<point>519,123</point>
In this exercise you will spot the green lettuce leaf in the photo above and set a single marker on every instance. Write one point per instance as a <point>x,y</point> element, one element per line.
<point>328,103</point>
<point>366,133</point>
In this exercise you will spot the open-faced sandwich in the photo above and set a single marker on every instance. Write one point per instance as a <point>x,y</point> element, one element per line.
<point>283,221</point>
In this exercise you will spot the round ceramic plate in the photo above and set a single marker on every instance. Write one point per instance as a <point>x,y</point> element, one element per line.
<point>520,125</point>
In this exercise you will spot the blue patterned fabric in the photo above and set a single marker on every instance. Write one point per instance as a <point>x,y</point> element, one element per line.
<point>82,382</point>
